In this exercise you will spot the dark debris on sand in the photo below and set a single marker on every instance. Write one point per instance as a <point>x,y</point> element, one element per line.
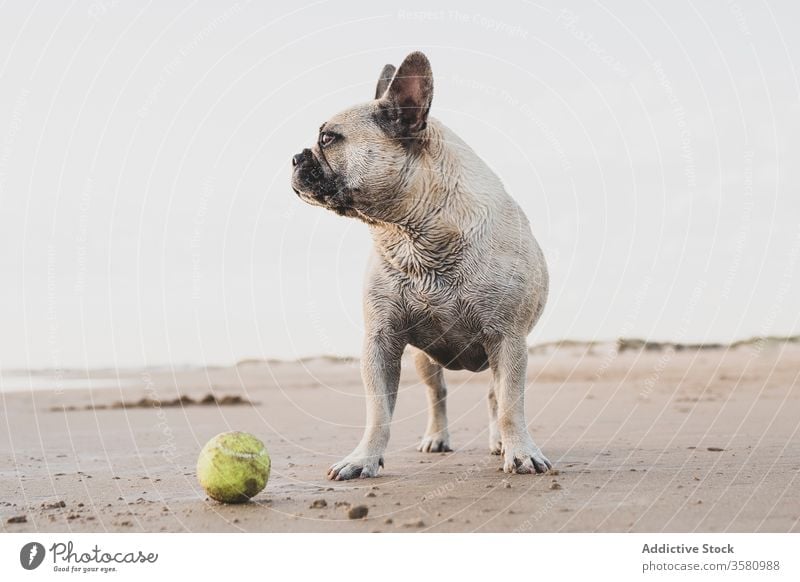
<point>145,402</point>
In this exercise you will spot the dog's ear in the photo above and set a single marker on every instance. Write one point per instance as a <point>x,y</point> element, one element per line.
<point>383,81</point>
<point>406,102</point>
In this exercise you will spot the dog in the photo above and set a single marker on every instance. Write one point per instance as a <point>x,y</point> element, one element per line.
<point>455,270</point>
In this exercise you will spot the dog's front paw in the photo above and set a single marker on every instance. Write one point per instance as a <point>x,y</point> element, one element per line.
<point>436,442</point>
<point>523,456</point>
<point>355,465</point>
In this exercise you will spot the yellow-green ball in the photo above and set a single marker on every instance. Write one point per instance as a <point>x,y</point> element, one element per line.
<point>233,467</point>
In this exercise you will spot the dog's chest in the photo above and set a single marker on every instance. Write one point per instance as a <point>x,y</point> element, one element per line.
<point>441,323</point>
<point>431,297</point>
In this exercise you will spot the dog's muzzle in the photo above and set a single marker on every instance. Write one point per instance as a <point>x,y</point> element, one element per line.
<point>307,174</point>
<point>311,184</point>
<point>309,179</point>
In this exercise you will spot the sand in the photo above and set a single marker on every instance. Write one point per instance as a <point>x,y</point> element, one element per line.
<point>646,439</point>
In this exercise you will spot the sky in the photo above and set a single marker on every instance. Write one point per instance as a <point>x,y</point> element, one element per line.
<point>146,216</point>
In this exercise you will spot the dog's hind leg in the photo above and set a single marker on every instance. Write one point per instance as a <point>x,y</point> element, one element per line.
<point>437,438</point>
<point>495,442</point>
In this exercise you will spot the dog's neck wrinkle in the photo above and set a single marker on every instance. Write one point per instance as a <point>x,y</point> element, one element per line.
<point>427,239</point>
<point>437,187</point>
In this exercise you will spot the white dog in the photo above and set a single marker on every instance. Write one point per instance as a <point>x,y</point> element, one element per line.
<point>455,272</point>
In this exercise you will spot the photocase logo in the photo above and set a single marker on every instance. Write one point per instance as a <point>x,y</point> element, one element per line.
<point>67,558</point>
<point>31,555</point>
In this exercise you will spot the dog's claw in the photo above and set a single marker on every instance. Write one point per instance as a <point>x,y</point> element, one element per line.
<point>353,467</point>
<point>435,443</point>
<point>524,459</point>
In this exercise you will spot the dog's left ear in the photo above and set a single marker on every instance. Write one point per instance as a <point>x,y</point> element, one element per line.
<point>383,81</point>
<point>407,100</point>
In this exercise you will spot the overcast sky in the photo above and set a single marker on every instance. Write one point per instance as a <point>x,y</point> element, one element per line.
<point>146,215</point>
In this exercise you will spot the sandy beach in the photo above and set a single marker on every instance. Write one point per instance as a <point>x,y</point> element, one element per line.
<point>648,438</point>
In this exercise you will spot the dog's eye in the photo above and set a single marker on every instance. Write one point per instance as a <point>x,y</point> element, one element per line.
<point>326,138</point>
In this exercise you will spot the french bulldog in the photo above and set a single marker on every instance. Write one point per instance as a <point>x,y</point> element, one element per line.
<point>455,271</point>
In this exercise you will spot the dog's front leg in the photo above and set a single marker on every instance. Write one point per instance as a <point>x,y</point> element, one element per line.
<point>509,359</point>
<point>380,370</point>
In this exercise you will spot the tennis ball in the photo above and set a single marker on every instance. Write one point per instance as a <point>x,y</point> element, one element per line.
<point>233,467</point>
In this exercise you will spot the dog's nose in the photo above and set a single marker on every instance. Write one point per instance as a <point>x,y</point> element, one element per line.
<point>299,158</point>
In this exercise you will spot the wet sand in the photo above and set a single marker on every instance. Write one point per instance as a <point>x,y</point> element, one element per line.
<point>644,439</point>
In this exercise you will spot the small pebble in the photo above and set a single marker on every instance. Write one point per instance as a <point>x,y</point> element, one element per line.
<point>358,512</point>
<point>18,519</point>
<point>318,504</point>
<point>555,486</point>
